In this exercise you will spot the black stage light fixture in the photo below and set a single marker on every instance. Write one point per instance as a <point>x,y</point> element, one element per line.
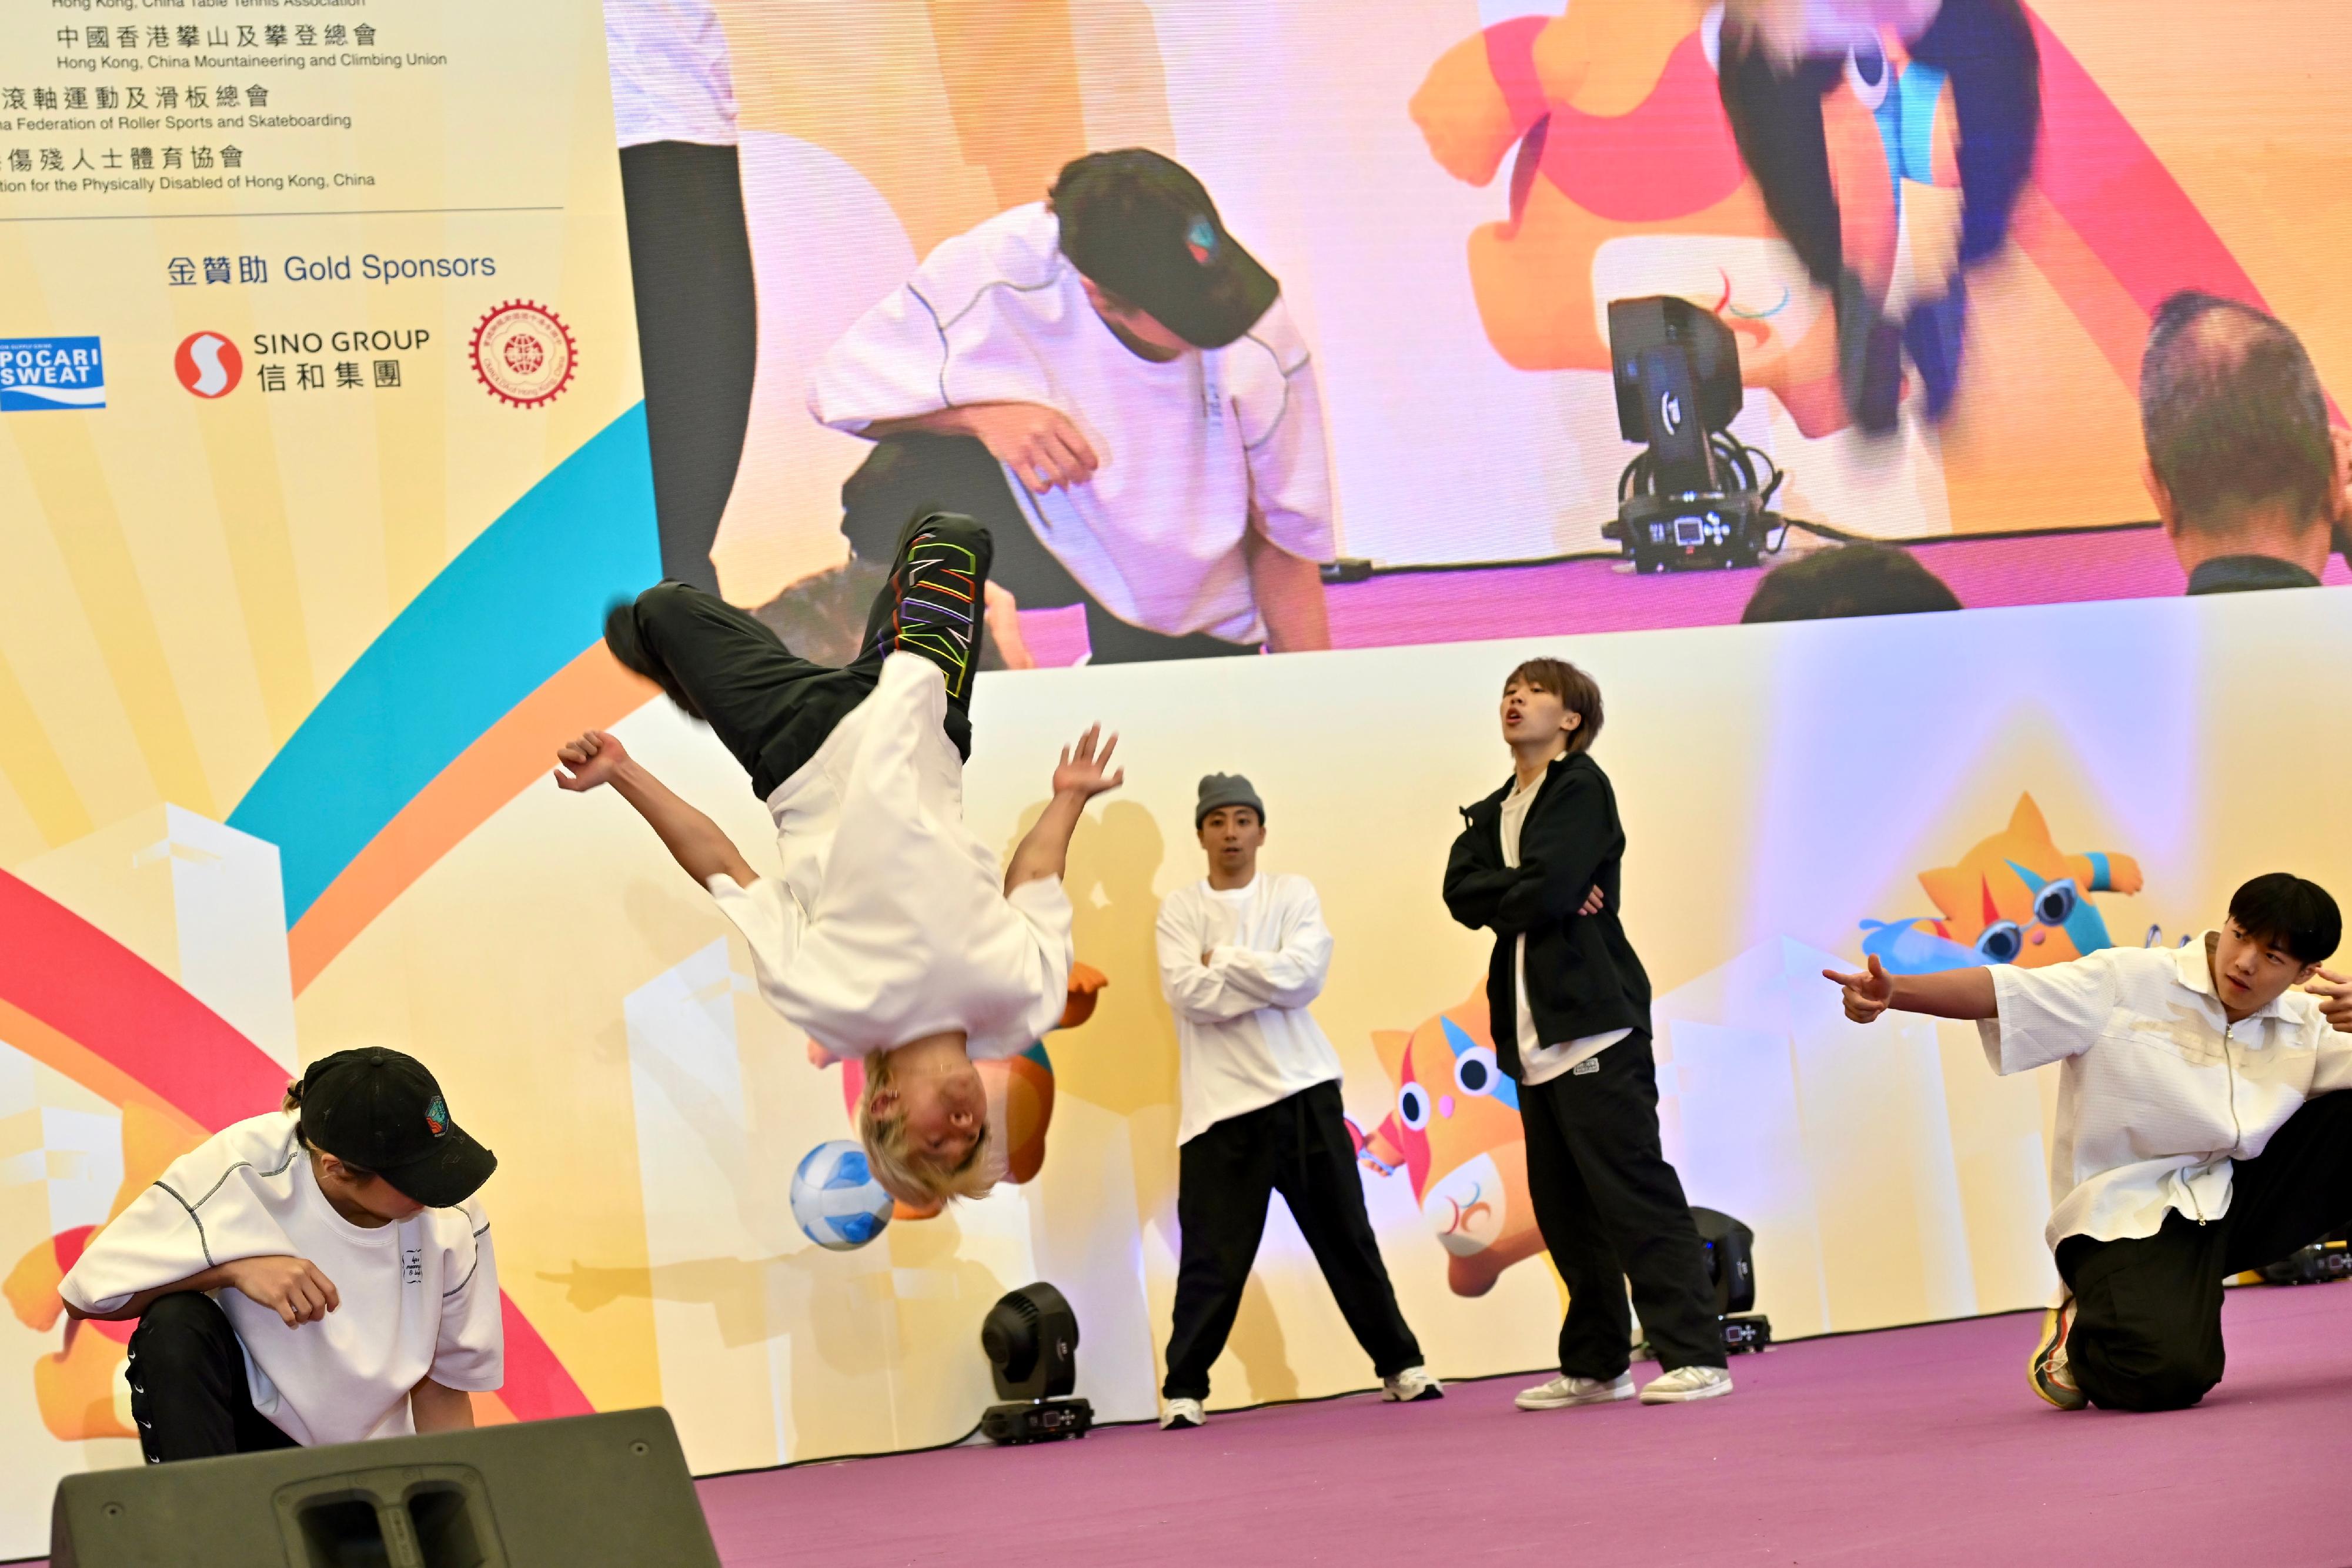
<point>1730,1249</point>
<point>1697,496</point>
<point>1031,1337</point>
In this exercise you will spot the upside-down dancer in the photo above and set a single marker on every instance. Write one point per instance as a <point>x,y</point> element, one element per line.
<point>891,935</point>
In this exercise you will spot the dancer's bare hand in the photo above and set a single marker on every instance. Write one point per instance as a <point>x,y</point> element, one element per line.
<point>1866,994</point>
<point>1037,443</point>
<point>296,1288</point>
<point>1085,773</point>
<point>1593,903</point>
<point>2334,994</point>
<point>591,760</point>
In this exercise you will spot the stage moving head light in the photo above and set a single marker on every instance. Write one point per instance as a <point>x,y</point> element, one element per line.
<point>1031,1338</point>
<point>1695,497</point>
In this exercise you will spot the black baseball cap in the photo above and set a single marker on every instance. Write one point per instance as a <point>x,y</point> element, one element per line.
<point>1142,228</point>
<point>381,1111</point>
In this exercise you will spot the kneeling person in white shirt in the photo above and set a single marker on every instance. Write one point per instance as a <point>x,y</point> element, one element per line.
<point>321,1274</point>
<point>1241,955</point>
<point>2204,1127</point>
<point>891,935</point>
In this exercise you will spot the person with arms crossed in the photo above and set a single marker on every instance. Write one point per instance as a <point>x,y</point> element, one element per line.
<point>892,934</point>
<point>1539,863</point>
<point>319,1274</point>
<point>1241,955</point>
<point>2203,1127</point>
<point>1112,385</point>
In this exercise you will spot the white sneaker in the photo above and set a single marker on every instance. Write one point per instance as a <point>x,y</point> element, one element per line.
<point>1687,1383</point>
<point>1564,1391</point>
<point>1411,1385</point>
<point>1180,1415</point>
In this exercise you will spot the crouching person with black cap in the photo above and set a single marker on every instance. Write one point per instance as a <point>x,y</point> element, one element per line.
<point>319,1274</point>
<point>1114,388</point>
<point>1241,957</point>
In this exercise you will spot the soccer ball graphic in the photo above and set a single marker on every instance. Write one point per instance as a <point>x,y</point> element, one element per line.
<point>836,1199</point>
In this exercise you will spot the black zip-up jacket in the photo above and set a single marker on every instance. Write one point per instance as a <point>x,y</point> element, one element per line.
<point>1583,977</point>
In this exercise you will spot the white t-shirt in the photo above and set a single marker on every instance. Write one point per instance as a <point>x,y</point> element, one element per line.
<point>2159,1091</point>
<point>1538,1063</point>
<point>670,76</point>
<point>419,1298</point>
<point>1247,1038</point>
<point>891,921</point>
<point>997,315</point>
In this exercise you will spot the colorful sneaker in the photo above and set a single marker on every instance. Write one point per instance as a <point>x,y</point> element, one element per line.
<point>1412,1385</point>
<point>1564,1391</point>
<point>1684,1383</point>
<point>933,603</point>
<point>1181,1415</point>
<point>2048,1371</point>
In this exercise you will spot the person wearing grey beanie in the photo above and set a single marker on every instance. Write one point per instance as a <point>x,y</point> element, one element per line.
<point>1241,955</point>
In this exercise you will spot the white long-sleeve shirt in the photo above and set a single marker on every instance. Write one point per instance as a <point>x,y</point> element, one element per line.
<point>1187,446</point>
<point>1248,1039</point>
<point>891,921</point>
<point>2159,1091</point>
<point>419,1298</point>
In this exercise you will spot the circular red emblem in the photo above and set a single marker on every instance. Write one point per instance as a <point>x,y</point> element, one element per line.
<point>208,365</point>
<point>524,354</point>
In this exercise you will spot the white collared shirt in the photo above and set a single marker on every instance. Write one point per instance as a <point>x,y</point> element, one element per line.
<point>2159,1091</point>
<point>1248,1039</point>
<point>1188,446</point>
<point>891,921</point>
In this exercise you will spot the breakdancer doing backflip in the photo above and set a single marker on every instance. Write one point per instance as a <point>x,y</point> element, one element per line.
<point>891,935</point>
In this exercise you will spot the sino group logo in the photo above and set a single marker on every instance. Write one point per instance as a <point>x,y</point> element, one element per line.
<point>51,373</point>
<point>208,365</point>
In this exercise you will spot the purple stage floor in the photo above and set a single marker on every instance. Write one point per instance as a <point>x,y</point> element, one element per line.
<point>1909,1447</point>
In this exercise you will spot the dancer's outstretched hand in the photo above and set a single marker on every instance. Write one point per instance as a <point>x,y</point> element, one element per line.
<point>591,760</point>
<point>1866,994</point>
<point>1085,773</point>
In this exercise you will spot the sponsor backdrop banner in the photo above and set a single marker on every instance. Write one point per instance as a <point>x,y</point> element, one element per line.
<point>321,452</point>
<point>322,448</point>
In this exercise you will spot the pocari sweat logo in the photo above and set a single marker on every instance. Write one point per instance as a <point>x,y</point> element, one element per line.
<point>51,373</point>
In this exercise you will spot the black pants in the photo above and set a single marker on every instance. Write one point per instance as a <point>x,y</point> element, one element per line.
<point>2148,1324</point>
<point>188,1390</point>
<point>1300,1148</point>
<point>771,708</point>
<point>697,336</point>
<point>1611,1210</point>
<point>917,472</point>
<point>1986,50</point>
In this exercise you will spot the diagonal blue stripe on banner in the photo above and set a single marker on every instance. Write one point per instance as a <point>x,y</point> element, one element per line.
<point>515,607</point>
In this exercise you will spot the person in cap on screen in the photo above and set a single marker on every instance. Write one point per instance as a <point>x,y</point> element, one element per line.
<point>892,934</point>
<point>2248,479</point>
<point>2204,1127</point>
<point>319,1274</point>
<point>1241,955</point>
<point>1112,384</point>
<point>1539,863</point>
